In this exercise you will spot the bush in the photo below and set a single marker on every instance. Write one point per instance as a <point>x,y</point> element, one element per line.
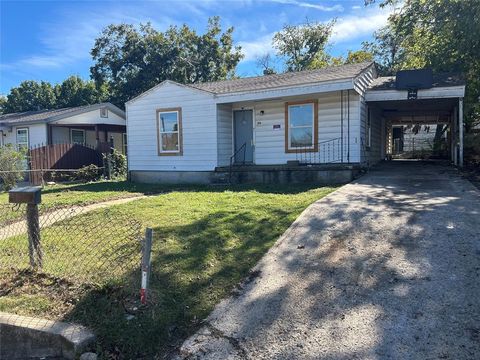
<point>472,148</point>
<point>12,163</point>
<point>115,164</point>
<point>88,173</point>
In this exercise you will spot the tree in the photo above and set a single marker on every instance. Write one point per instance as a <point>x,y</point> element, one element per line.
<point>30,96</point>
<point>266,63</point>
<point>130,60</point>
<point>3,102</point>
<point>304,46</point>
<point>76,92</point>
<point>358,56</point>
<point>11,166</point>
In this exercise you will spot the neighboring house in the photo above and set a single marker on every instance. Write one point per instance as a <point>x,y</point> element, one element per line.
<point>335,120</point>
<point>89,125</point>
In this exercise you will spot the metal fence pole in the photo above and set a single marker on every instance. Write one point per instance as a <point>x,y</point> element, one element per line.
<point>146,260</point>
<point>34,244</point>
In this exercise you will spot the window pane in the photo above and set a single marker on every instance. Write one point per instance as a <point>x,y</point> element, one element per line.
<point>168,122</point>
<point>170,142</point>
<point>301,137</point>
<point>300,115</point>
<point>22,137</point>
<point>78,137</point>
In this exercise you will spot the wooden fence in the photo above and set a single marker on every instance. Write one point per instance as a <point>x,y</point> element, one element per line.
<point>61,157</point>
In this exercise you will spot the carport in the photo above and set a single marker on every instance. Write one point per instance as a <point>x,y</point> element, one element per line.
<point>415,110</point>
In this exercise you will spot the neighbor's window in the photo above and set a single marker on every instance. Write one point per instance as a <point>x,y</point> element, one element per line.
<point>77,136</point>
<point>22,138</point>
<point>301,126</point>
<point>169,131</point>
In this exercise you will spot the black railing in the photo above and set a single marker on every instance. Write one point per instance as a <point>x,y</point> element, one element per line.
<point>324,152</point>
<point>233,160</point>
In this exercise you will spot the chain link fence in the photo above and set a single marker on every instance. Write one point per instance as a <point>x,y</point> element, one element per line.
<point>76,242</point>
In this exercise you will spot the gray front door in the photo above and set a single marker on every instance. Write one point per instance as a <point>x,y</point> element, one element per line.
<point>243,130</point>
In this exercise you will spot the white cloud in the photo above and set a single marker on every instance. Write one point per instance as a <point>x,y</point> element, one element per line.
<point>258,47</point>
<point>310,5</point>
<point>354,27</point>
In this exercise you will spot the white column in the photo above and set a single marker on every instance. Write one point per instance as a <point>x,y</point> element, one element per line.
<point>460,131</point>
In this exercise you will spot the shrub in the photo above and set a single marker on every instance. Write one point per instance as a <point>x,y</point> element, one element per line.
<point>12,165</point>
<point>115,164</point>
<point>88,173</point>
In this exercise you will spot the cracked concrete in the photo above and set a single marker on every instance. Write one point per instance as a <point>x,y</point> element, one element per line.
<point>386,267</point>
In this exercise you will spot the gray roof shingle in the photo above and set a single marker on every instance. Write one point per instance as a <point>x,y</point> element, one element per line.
<point>47,115</point>
<point>283,80</point>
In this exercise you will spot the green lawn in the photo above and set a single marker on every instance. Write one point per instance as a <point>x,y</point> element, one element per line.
<point>206,239</point>
<point>74,194</point>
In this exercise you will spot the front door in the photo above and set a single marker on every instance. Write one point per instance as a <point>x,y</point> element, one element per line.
<point>243,132</point>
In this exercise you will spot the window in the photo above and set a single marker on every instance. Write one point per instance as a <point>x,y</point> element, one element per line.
<point>169,126</point>
<point>124,138</point>
<point>301,126</point>
<point>22,138</point>
<point>77,136</point>
<point>368,141</point>
<point>104,112</point>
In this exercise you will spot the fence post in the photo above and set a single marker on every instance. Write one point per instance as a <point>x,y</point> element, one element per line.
<point>146,260</point>
<point>32,196</point>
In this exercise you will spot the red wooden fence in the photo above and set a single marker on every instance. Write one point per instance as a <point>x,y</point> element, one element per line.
<point>61,156</point>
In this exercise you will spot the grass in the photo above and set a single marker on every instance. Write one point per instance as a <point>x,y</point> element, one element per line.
<point>205,241</point>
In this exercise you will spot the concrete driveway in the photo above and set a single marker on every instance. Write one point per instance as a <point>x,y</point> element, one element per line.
<point>387,267</point>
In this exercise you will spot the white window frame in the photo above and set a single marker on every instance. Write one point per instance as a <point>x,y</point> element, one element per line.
<point>27,145</point>
<point>178,112</point>
<point>289,127</point>
<point>84,136</point>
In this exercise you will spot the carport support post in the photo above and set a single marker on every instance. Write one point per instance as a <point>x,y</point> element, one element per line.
<point>460,131</point>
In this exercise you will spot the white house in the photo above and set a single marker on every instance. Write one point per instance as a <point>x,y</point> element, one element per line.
<point>317,125</point>
<point>87,125</point>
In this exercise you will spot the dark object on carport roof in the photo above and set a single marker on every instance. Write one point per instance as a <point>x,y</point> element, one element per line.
<point>414,79</point>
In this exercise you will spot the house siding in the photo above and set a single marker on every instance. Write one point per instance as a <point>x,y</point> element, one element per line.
<point>199,130</point>
<point>270,143</point>
<point>224,134</point>
<point>373,154</point>
<point>37,134</point>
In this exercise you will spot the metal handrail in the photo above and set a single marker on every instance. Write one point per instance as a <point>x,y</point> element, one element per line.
<point>232,159</point>
<point>328,151</point>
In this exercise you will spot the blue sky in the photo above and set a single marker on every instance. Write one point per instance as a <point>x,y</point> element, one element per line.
<point>51,40</point>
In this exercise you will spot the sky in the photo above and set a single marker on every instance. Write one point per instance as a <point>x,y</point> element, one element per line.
<point>51,40</point>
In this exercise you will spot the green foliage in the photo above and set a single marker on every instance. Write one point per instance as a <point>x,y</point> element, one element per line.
<point>88,173</point>
<point>3,102</point>
<point>11,166</point>
<point>130,60</point>
<point>206,240</point>
<point>76,92</point>
<point>115,164</point>
<point>304,46</point>
<point>31,95</point>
